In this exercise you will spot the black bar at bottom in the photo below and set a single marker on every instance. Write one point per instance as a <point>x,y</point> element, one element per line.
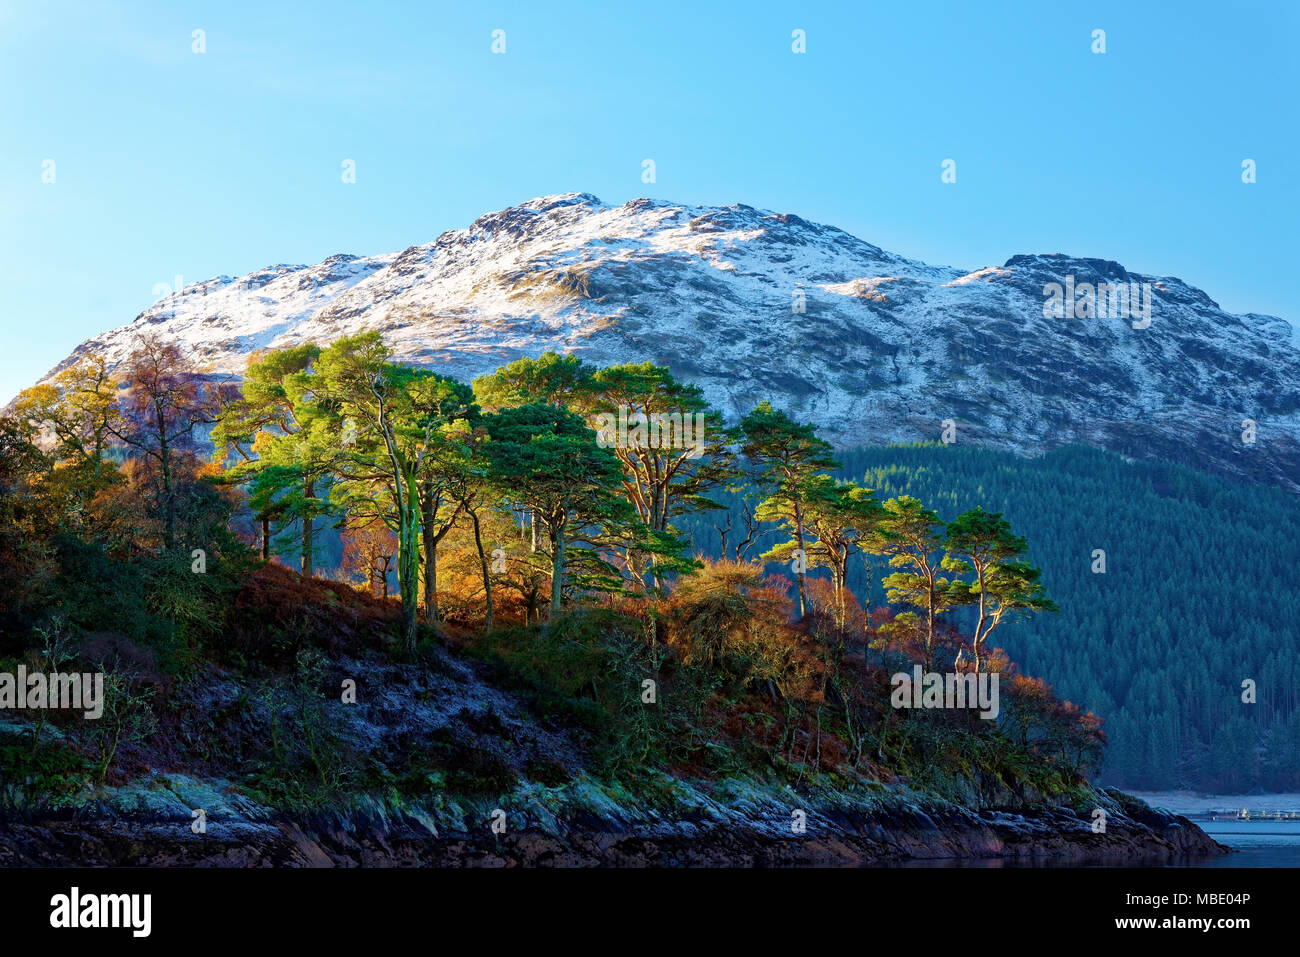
<point>908,905</point>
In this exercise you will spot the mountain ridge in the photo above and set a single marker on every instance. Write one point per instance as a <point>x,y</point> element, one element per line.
<point>885,348</point>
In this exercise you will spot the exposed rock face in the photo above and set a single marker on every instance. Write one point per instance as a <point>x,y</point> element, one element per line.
<point>435,752</point>
<point>748,834</point>
<point>884,349</point>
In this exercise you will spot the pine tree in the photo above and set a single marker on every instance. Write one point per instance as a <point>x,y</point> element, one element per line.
<point>279,454</point>
<point>677,450</point>
<point>786,454</point>
<point>910,536</point>
<point>546,460</point>
<point>389,421</point>
<point>841,516</point>
<point>982,543</point>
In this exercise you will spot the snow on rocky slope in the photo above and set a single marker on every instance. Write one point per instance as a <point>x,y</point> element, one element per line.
<point>885,349</point>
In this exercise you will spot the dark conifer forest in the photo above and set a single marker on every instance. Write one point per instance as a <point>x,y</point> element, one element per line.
<point>1200,592</point>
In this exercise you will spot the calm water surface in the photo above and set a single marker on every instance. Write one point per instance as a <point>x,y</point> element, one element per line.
<point>1254,844</point>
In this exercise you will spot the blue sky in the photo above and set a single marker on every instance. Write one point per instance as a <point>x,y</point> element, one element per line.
<point>173,163</point>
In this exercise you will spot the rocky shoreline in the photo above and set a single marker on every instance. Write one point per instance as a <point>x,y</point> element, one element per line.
<point>754,830</point>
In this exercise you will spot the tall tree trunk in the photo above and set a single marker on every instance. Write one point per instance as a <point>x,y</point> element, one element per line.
<point>483,564</point>
<point>658,522</point>
<point>431,536</point>
<point>266,538</point>
<point>838,575</point>
<point>803,556</point>
<point>557,566</point>
<point>308,530</point>
<point>408,568</point>
<point>929,624</point>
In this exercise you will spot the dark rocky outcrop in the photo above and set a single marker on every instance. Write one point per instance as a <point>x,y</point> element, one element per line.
<point>753,830</point>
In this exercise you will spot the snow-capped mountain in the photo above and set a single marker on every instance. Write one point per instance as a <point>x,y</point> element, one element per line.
<point>749,304</point>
